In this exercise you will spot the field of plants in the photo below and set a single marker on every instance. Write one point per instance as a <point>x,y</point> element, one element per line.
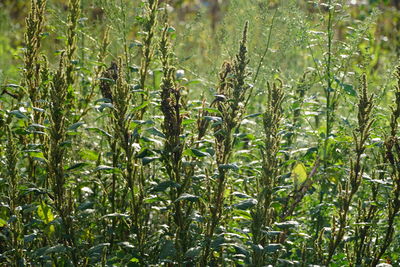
<point>199,133</point>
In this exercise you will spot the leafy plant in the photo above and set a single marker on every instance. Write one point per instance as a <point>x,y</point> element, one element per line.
<point>122,144</point>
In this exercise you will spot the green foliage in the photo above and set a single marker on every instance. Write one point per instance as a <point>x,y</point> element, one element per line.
<point>199,133</point>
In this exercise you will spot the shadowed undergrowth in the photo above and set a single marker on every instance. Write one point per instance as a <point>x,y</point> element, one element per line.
<point>234,134</point>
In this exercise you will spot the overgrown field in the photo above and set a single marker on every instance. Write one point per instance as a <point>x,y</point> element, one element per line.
<point>199,133</point>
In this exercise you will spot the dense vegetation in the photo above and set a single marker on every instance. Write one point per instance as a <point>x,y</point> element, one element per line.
<point>199,133</point>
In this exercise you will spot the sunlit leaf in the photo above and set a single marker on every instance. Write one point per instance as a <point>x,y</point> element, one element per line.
<point>187,197</point>
<point>246,204</point>
<point>2,222</point>
<point>155,131</point>
<point>299,173</point>
<point>18,114</point>
<point>44,213</point>
<point>287,224</point>
<point>77,166</point>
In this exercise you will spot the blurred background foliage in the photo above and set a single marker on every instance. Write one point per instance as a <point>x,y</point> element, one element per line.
<point>287,40</point>
<point>203,27</point>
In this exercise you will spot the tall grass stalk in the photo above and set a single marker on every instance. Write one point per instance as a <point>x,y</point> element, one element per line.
<point>173,149</point>
<point>351,186</point>
<point>329,108</point>
<point>109,79</point>
<point>57,156</point>
<point>232,92</point>
<point>263,217</point>
<point>32,66</point>
<point>71,46</point>
<point>121,120</point>
<point>147,50</point>
<point>125,142</point>
<point>35,23</point>
<point>103,162</point>
<point>392,150</point>
<point>13,177</point>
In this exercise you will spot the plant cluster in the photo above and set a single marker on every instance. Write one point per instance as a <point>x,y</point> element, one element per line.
<point>121,153</point>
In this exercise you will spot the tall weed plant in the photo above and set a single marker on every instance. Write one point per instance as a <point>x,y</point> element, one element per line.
<point>234,133</point>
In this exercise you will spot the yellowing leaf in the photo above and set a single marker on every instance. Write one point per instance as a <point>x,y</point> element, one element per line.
<point>2,222</point>
<point>134,260</point>
<point>44,213</point>
<point>333,179</point>
<point>299,173</point>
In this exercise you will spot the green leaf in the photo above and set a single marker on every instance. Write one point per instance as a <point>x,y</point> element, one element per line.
<point>20,131</point>
<point>115,215</point>
<point>213,110</point>
<point>103,167</point>
<point>246,204</point>
<point>142,106</point>
<point>75,126</point>
<point>197,153</point>
<point>152,199</point>
<point>29,238</point>
<point>36,154</point>
<point>44,213</point>
<point>240,195</point>
<point>38,109</point>
<point>143,122</point>
<point>167,250</point>
<point>87,190</point>
<point>273,248</point>
<point>35,125</point>
<point>188,197</point>
<point>41,251</point>
<point>228,167</point>
<point>161,187</point>
<point>98,130</point>
<point>134,260</point>
<point>108,169</point>
<point>147,160</point>
<point>126,245</point>
<point>299,173</point>
<point>196,81</point>
<point>89,154</point>
<point>213,118</point>
<point>287,224</point>
<point>253,115</point>
<point>3,222</point>
<point>18,114</point>
<point>193,252</point>
<point>105,105</point>
<point>98,248</point>
<point>349,89</point>
<point>134,68</point>
<point>56,249</point>
<point>111,81</point>
<point>67,143</point>
<point>171,29</point>
<point>243,214</point>
<point>77,166</point>
<point>12,85</point>
<point>144,153</point>
<point>155,131</point>
<point>188,121</point>
<point>135,43</point>
<point>106,100</point>
<point>240,249</point>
